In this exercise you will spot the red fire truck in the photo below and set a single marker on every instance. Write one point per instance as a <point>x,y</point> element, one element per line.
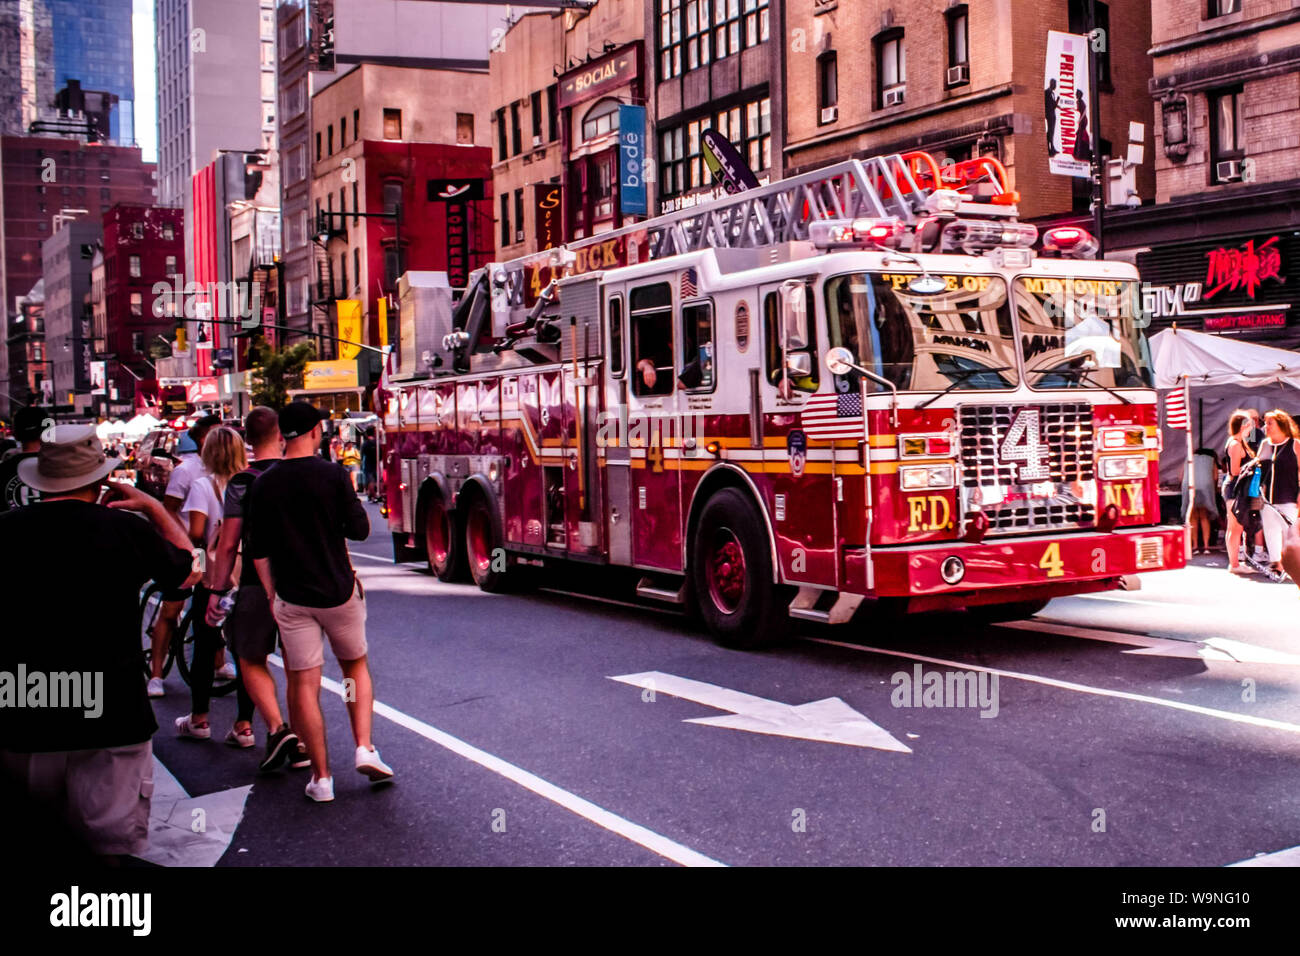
<point>865,383</point>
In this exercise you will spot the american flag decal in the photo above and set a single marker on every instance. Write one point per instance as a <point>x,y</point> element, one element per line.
<point>689,288</point>
<point>833,415</point>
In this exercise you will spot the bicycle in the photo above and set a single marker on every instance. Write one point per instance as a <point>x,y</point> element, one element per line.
<point>180,650</point>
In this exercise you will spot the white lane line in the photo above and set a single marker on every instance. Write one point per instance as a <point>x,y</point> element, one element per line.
<point>1220,649</point>
<point>1289,857</point>
<point>1115,599</point>
<point>654,842</point>
<point>1228,715</point>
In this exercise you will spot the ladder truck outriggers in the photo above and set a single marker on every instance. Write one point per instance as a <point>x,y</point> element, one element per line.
<point>856,387</point>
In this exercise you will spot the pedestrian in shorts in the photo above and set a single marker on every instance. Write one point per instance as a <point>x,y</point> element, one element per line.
<point>301,513</point>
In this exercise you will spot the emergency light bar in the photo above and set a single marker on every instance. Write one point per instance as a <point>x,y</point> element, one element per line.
<point>841,233</point>
<point>975,235</point>
<point>1071,242</point>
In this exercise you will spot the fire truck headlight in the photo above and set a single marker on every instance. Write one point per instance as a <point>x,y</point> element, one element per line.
<point>953,569</point>
<point>1124,466</point>
<point>923,477</point>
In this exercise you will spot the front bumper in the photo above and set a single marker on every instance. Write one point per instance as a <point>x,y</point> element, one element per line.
<point>1025,568</point>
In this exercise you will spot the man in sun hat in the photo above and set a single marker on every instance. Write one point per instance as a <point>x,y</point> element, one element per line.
<point>75,724</point>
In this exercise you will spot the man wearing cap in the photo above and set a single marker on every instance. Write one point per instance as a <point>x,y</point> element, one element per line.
<point>301,513</point>
<point>75,723</point>
<point>29,422</point>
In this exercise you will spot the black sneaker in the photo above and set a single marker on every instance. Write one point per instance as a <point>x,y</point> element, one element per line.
<point>278,746</point>
<point>298,759</point>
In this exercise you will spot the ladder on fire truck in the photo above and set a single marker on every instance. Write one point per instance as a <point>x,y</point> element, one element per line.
<point>896,186</point>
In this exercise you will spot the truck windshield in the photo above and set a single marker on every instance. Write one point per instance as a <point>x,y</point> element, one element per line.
<point>1083,333</point>
<point>958,338</point>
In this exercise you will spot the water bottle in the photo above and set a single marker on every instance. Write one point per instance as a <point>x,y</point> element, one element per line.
<point>224,605</point>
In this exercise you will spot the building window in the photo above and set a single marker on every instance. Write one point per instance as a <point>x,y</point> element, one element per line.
<point>756,22</point>
<point>137,342</point>
<point>958,46</point>
<point>535,107</point>
<point>393,196</point>
<point>670,38</point>
<point>758,134</point>
<point>891,69</point>
<point>828,87</point>
<point>133,266</point>
<point>137,230</point>
<point>170,265</point>
<point>748,127</point>
<point>137,303</point>
<point>356,264</point>
<point>519,215</point>
<point>600,119</point>
<point>1227,135</point>
<point>726,31</point>
<point>356,124</point>
<point>1221,8</point>
<point>329,140</point>
<point>552,113</point>
<point>343,131</point>
<point>169,231</point>
<point>343,274</point>
<point>465,129</point>
<point>672,163</point>
<point>318,153</point>
<point>392,124</point>
<point>503,149</point>
<point>602,206</point>
<point>505,220</point>
<point>696,43</point>
<point>343,207</point>
<point>516,133</point>
<point>356,206</point>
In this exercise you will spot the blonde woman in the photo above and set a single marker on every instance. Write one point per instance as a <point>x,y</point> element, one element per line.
<point>1281,486</point>
<point>224,456</point>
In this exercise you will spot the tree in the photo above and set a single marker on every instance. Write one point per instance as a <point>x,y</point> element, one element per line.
<point>278,372</point>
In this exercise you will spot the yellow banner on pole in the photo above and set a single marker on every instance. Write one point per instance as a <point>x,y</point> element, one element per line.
<point>383,322</point>
<point>349,312</point>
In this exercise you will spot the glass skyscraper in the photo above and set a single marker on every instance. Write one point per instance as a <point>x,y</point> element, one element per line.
<point>92,43</point>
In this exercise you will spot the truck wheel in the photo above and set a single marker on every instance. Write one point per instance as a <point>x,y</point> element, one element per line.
<point>998,613</point>
<point>483,547</point>
<point>731,575</point>
<point>442,547</point>
<point>402,553</point>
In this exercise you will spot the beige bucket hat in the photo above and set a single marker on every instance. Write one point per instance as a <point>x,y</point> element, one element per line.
<point>75,458</point>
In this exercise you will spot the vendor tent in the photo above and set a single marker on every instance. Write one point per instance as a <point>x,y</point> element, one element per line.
<point>1224,374</point>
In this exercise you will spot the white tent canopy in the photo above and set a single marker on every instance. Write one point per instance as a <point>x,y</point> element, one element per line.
<point>141,425</point>
<point>1218,360</point>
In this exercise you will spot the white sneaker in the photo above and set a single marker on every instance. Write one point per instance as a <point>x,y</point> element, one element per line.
<point>368,762</point>
<point>322,790</point>
<point>225,672</point>
<point>186,729</point>
<point>156,688</point>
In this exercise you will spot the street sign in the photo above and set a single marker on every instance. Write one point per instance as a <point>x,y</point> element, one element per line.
<point>830,720</point>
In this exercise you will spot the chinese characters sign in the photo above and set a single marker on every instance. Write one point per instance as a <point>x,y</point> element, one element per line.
<point>1245,267</point>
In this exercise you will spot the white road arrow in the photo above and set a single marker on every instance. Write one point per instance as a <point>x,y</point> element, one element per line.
<point>180,837</point>
<point>830,720</point>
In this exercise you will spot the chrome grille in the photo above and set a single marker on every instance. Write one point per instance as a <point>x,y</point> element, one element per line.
<point>1066,437</point>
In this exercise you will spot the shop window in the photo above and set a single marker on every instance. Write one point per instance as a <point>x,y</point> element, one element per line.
<point>651,311</point>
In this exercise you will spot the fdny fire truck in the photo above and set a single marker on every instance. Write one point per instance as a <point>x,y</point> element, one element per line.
<point>867,385</point>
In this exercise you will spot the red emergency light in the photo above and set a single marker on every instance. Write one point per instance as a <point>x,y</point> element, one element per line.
<point>1070,241</point>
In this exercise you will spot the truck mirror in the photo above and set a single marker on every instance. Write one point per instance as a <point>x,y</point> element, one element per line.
<point>794,315</point>
<point>798,364</point>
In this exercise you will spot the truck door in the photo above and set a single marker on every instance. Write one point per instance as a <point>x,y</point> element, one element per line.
<point>802,424</point>
<point>611,433</point>
<point>653,411</point>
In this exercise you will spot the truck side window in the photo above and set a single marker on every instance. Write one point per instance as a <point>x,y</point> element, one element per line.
<point>697,346</point>
<point>651,313</point>
<point>772,341</point>
<point>616,336</point>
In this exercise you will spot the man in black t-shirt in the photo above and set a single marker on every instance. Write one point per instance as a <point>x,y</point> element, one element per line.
<point>74,719</point>
<point>301,513</point>
<point>29,422</point>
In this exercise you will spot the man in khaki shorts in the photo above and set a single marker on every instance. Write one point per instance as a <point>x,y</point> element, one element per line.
<point>79,740</point>
<point>301,513</point>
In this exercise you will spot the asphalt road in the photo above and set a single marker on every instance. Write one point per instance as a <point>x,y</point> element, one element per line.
<point>1157,727</point>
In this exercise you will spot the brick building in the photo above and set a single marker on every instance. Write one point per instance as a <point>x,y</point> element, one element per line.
<point>958,80</point>
<point>1222,248</point>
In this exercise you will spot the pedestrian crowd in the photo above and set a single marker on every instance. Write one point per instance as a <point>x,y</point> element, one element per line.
<point>251,532</point>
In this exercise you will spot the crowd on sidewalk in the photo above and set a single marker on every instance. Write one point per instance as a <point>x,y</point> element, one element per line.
<point>251,533</point>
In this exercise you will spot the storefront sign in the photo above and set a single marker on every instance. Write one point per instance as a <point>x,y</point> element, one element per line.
<point>598,77</point>
<point>349,313</point>
<point>631,159</point>
<point>1244,267</point>
<point>204,390</point>
<point>725,163</point>
<point>330,376</point>
<point>1065,104</point>
<point>456,195</point>
<point>546,204</point>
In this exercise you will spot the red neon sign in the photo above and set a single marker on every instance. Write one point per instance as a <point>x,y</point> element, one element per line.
<point>1243,268</point>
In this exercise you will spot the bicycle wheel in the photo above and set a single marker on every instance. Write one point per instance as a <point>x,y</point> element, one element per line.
<point>184,643</point>
<point>151,603</point>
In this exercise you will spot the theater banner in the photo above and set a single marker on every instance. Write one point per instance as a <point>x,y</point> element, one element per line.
<point>1066,105</point>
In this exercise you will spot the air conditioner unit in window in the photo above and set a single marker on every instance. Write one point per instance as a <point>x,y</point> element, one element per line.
<point>959,74</point>
<point>894,97</point>
<point>1228,171</point>
<point>830,114</point>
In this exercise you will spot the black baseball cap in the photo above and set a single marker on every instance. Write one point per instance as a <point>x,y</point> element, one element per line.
<point>30,421</point>
<point>299,418</point>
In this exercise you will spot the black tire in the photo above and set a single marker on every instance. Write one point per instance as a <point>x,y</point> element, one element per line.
<point>1000,613</point>
<point>484,549</point>
<point>150,612</point>
<point>732,576</point>
<point>444,543</point>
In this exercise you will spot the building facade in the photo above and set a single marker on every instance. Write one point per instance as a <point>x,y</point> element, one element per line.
<point>93,44</point>
<point>1220,252</point>
<point>67,258</point>
<point>958,80</point>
